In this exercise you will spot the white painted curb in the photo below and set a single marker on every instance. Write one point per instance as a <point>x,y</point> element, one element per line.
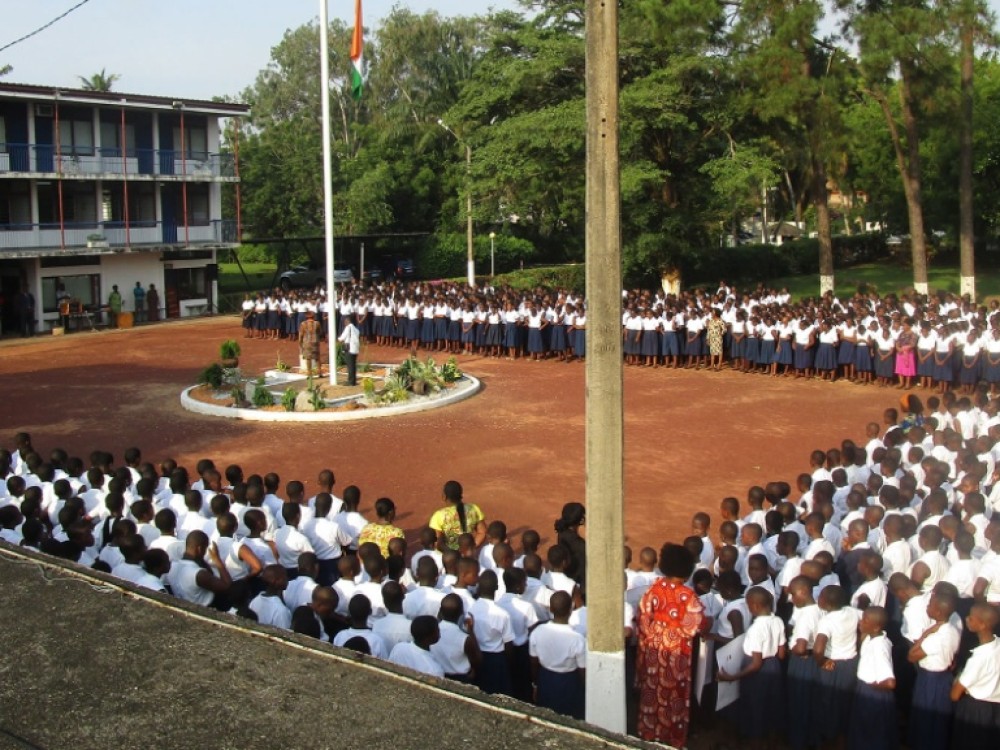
<point>466,388</point>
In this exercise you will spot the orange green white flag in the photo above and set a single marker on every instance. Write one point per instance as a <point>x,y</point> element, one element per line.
<point>357,54</point>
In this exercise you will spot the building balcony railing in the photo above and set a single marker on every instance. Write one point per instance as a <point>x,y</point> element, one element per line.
<point>28,158</point>
<point>100,236</point>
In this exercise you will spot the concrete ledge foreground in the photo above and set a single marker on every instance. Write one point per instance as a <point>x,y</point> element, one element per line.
<point>92,662</point>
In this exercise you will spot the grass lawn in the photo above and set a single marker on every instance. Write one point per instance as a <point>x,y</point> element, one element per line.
<point>887,278</point>
<point>231,280</point>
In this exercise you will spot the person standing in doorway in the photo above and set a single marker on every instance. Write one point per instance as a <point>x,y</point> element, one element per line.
<point>114,305</point>
<point>140,302</point>
<point>24,305</point>
<point>153,303</point>
<point>350,337</point>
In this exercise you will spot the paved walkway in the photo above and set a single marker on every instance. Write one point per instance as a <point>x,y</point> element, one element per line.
<point>92,665</point>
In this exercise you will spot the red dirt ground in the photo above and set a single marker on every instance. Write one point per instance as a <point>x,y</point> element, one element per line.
<point>517,448</point>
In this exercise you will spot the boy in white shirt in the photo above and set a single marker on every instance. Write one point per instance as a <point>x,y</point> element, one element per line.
<point>268,605</point>
<point>976,691</point>
<point>558,661</point>
<point>417,655</point>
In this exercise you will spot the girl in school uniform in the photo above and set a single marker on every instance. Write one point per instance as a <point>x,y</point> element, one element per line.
<point>427,334</point>
<point>803,343</point>
<point>669,345</point>
<point>413,323</point>
<point>826,352</point>
<point>885,350</point>
<point>836,654</point>
<point>693,343</point>
<point>873,713</point>
<point>273,317</point>
<point>761,704</point>
<point>536,324</point>
<point>803,672</point>
<point>557,324</point>
<point>248,316</point>
<point>847,334</point>
<point>580,333</point>
<point>441,317</point>
<point>738,340</point>
<point>767,335</point>
<point>784,356</point>
<point>976,691</point>
<point>455,326</point>
<point>926,339</point>
<point>971,355</point>
<point>944,348</point>
<point>862,353</point>
<point>511,332</point>
<point>650,346</point>
<point>991,358</point>
<point>632,332</point>
<point>493,331</point>
<point>468,328</point>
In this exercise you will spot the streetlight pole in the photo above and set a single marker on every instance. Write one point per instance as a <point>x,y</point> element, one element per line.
<point>492,264</point>
<point>468,202</point>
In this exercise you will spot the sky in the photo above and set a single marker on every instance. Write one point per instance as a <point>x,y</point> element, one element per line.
<point>193,49</point>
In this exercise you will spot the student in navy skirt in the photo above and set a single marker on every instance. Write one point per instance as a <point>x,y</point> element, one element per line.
<point>669,345</point>
<point>826,352</point>
<point>738,341</point>
<point>784,356</point>
<point>863,355</point>
<point>536,344</point>
<point>580,335</point>
<point>836,654</point>
<point>557,341</point>
<point>933,653</point>
<point>991,359</point>
<point>511,333</point>
<point>804,341</point>
<point>768,345</point>
<point>632,336</point>
<point>494,335</point>
<point>847,338</point>
<point>974,693</point>
<point>761,705</point>
<point>650,347</point>
<point>971,362</point>
<point>558,657</point>
<point>873,713</point>
<point>944,352</point>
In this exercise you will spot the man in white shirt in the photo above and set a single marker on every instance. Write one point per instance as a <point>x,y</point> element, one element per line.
<point>351,338</point>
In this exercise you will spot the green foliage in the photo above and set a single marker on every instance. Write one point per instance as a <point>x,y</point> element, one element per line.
<point>281,365</point>
<point>572,277</point>
<point>288,399</point>
<point>212,375</point>
<point>229,349</point>
<point>261,396</point>
<point>316,400</point>
<point>395,389</point>
<point>450,371</point>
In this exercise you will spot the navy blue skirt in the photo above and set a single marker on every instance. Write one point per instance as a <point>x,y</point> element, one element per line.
<point>481,333</point>
<point>412,329</point>
<point>561,692</point>
<point>536,345</point>
<point>632,343</point>
<point>580,342</point>
<point>863,358</point>
<point>510,335</point>
<point>783,353</point>
<point>944,370</point>
<point>752,351</point>
<point>826,357</point>
<point>558,340</point>
<point>977,724</point>
<point>991,372</point>
<point>873,719</point>
<point>762,701</point>
<point>930,716</point>
<point>668,344</point>
<point>925,368</point>
<point>969,374</point>
<point>469,336</point>
<point>885,367</point>
<point>694,346</point>
<point>738,347</point>
<point>650,343</point>
<point>845,353</point>
<point>765,354</point>
<point>803,357</point>
<point>454,330</point>
<point>834,697</point>
<point>441,329</point>
<point>803,676</point>
<point>493,337</point>
<point>427,331</point>
<point>494,674</point>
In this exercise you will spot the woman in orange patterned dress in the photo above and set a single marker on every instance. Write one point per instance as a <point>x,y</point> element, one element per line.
<point>670,616</point>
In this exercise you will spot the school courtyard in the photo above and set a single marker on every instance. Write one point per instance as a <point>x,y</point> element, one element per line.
<point>692,438</point>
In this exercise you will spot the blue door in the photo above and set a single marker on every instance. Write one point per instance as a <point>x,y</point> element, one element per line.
<point>168,209</point>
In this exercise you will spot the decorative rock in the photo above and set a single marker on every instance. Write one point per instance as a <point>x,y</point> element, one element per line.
<point>251,386</point>
<point>302,402</point>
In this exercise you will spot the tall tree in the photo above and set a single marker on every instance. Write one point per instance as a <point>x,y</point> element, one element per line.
<point>102,81</point>
<point>905,38</point>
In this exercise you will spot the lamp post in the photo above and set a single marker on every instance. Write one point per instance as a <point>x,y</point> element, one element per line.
<point>492,265</point>
<point>468,201</point>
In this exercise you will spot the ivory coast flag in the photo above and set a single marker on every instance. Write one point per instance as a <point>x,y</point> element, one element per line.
<point>357,56</point>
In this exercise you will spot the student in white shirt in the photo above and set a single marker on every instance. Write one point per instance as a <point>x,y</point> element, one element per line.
<point>290,541</point>
<point>360,610</point>
<point>803,672</point>
<point>976,690</point>
<point>394,628</point>
<point>835,651</point>
<point>299,592</point>
<point>417,655</point>
<point>933,653</point>
<point>495,636</point>
<point>873,716</point>
<point>268,605</point>
<point>457,650</point>
<point>558,660</point>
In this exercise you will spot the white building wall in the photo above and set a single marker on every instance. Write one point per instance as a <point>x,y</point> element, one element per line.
<point>125,270</point>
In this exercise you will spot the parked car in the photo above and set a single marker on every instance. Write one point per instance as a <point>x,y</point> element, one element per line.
<point>372,275</point>
<point>312,274</point>
<point>399,268</point>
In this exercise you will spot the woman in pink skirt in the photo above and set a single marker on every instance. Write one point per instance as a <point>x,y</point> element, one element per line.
<point>906,358</point>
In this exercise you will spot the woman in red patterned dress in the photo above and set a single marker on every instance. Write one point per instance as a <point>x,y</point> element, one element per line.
<point>670,616</point>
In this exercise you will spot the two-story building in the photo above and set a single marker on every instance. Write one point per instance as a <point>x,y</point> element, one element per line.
<point>104,188</point>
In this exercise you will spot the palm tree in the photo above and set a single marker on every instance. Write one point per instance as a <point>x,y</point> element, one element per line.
<point>99,81</point>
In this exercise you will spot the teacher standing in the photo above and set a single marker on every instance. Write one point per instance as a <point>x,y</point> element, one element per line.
<point>670,616</point>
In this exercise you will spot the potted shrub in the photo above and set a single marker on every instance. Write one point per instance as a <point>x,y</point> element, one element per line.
<point>229,353</point>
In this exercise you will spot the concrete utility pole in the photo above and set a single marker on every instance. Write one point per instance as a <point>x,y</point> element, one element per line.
<point>604,431</point>
<point>331,293</point>
<point>471,260</point>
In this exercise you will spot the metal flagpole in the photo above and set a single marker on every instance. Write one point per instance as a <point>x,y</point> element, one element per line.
<point>331,292</point>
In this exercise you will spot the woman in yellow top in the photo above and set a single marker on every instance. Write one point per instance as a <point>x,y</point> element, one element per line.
<point>381,530</point>
<point>457,518</point>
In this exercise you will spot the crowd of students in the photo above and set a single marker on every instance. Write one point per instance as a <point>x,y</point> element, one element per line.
<point>937,342</point>
<point>867,598</point>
